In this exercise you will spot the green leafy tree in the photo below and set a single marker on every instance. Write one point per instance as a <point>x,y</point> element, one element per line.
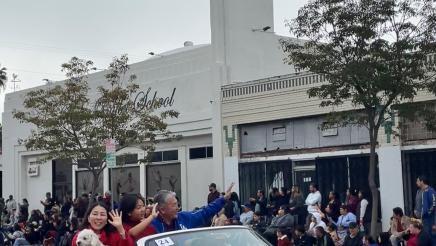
<point>71,123</point>
<point>3,77</point>
<point>373,54</point>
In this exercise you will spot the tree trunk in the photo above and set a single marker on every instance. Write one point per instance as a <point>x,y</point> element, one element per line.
<point>96,174</point>
<point>373,131</point>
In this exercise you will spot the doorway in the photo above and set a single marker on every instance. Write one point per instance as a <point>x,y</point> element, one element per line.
<point>304,174</point>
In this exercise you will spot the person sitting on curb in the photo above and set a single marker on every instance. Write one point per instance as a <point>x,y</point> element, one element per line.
<point>170,219</point>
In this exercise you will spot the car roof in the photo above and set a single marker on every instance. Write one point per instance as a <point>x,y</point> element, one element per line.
<point>144,239</point>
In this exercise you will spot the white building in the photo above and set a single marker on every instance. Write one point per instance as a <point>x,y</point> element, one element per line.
<point>192,75</point>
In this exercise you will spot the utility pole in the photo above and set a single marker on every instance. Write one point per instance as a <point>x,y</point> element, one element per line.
<point>15,81</point>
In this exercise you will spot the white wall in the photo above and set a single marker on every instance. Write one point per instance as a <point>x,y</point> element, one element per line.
<point>36,187</point>
<point>391,181</point>
<point>199,176</point>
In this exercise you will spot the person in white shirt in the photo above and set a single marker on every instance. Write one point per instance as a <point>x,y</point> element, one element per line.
<point>313,201</point>
<point>247,215</point>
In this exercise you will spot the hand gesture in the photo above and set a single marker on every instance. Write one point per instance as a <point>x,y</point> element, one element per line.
<point>116,219</point>
<point>229,191</point>
<point>154,212</point>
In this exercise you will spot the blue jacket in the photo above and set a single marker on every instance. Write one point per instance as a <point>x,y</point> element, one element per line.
<point>191,219</point>
<point>428,202</point>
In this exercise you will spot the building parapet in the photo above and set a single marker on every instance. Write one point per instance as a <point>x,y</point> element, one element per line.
<point>289,81</point>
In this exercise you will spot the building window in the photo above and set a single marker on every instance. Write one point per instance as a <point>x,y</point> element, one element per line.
<point>200,153</point>
<point>279,134</point>
<point>160,156</point>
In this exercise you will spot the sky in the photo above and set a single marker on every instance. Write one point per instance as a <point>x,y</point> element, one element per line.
<point>36,37</point>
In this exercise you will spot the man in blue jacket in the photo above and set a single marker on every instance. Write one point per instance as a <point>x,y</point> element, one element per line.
<point>170,219</point>
<point>428,206</point>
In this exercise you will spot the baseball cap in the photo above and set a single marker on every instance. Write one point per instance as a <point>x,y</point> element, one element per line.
<point>352,225</point>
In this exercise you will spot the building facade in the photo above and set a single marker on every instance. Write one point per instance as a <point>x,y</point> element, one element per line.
<point>191,77</point>
<point>276,140</point>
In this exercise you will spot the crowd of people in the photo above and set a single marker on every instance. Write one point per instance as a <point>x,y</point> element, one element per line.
<point>283,217</point>
<point>286,217</point>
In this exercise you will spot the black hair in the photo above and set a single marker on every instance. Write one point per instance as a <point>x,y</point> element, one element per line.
<point>300,229</point>
<point>285,208</point>
<point>274,190</point>
<point>398,211</point>
<point>353,192</point>
<point>128,204</point>
<point>85,224</point>
<point>282,230</point>
<point>284,190</point>
<point>424,179</point>
<point>370,239</point>
<point>320,229</point>
<point>314,185</point>
<point>261,192</point>
<point>332,226</point>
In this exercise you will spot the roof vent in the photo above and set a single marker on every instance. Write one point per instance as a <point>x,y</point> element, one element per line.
<point>188,43</point>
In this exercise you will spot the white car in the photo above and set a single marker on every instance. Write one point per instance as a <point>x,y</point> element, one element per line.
<point>207,236</point>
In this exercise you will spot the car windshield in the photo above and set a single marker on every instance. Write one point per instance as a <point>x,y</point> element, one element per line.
<point>218,237</point>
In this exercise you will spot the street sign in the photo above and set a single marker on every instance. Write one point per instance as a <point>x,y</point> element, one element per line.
<point>111,160</point>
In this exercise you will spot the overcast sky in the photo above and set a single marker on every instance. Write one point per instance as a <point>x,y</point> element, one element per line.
<point>36,37</point>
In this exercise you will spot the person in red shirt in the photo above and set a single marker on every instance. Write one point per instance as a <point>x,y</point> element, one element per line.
<point>109,231</point>
<point>282,238</point>
<point>134,221</point>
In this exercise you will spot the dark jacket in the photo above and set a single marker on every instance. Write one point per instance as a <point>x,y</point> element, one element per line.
<point>428,202</point>
<point>191,219</point>
<point>262,202</point>
<point>326,240</point>
<point>304,240</point>
<point>355,241</point>
<point>424,239</point>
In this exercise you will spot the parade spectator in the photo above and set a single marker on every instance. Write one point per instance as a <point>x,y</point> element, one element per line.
<point>258,223</point>
<point>322,237</point>
<point>354,238</point>
<point>11,204</point>
<point>301,237</point>
<point>296,204</point>
<point>351,200</point>
<point>213,193</point>
<point>368,241</point>
<point>428,213</point>
<point>47,202</point>
<point>418,236</point>
<point>344,221</point>
<point>274,196</point>
<point>247,215</point>
<point>363,211</point>
<point>418,203</point>
<point>233,206</point>
<point>132,207</point>
<point>24,210</point>
<point>316,222</point>
<point>399,225</point>
<point>313,201</point>
<point>2,208</point>
<point>282,237</point>
<point>219,219</point>
<point>170,219</point>
<point>283,198</point>
<point>332,230</point>
<point>107,199</point>
<point>283,219</point>
<point>66,207</point>
<point>110,230</point>
<point>332,209</point>
<point>261,203</point>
